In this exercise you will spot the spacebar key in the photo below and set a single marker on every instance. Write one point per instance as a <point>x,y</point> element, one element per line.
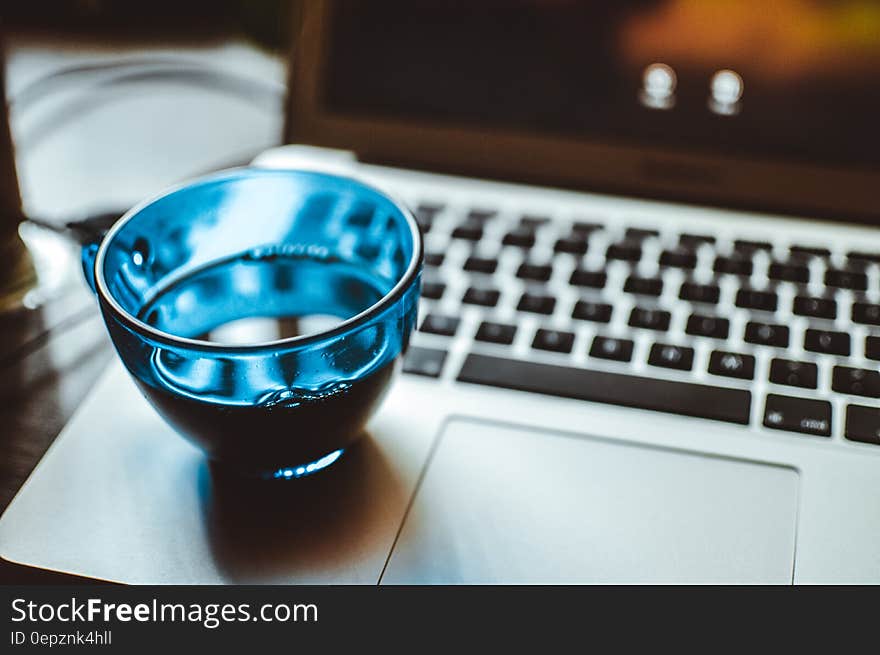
<point>731,405</point>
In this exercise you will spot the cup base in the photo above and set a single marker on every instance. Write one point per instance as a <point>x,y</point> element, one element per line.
<point>304,470</point>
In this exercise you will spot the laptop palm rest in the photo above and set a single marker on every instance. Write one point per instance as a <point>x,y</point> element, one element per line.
<point>502,504</point>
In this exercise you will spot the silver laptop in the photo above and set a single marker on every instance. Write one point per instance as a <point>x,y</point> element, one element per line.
<point>662,367</point>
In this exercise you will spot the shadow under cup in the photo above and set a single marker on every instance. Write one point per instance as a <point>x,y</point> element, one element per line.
<point>277,246</point>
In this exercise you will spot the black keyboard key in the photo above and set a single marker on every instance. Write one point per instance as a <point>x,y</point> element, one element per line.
<point>732,365</point>
<point>640,234</point>
<point>585,228</point>
<point>704,293</point>
<point>815,307</point>
<point>627,252</point>
<point>805,252</point>
<point>857,265</point>
<point>789,272</point>
<point>429,208</point>
<point>424,361</point>
<point>856,381</point>
<point>827,342</point>
<point>680,358</point>
<point>434,259</point>
<point>439,324</point>
<point>643,286</point>
<point>533,221</point>
<point>481,216</point>
<point>872,348</point>
<point>846,279</point>
<point>748,247</point>
<point>766,334</point>
<point>708,326</point>
<point>534,272</point>
<point>650,319</point>
<point>694,241</point>
<point>475,264</point>
<point>433,290</point>
<point>685,398</point>
<point>678,259</point>
<point>866,313</point>
<point>573,245</point>
<point>618,350</point>
<point>754,299</point>
<point>424,224</point>
<point>592,311</point>
<point>536,303</point>
<point>733,266</point>
<point>553,340</point>
<point>858,256</point>
<point>483,296</point>
<point>798,415</point>
<point>794,374</point>
<point>863,424</point>
<point>425,215</point>
<point>496,333</point>
<point>520,238</point>
<point>583,278</point>
<point>468,232</point>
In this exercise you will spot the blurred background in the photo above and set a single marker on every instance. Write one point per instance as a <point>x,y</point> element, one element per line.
<point>110,102</point>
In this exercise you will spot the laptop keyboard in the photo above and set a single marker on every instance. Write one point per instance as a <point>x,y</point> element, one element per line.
<point>736,330</point>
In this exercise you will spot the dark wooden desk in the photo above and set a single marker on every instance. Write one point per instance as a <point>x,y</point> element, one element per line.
<point>43,378</point>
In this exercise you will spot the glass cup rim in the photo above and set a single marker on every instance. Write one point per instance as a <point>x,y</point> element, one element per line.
<point>348,325</point>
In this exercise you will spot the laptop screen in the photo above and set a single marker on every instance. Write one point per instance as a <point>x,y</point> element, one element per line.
<point>789,80</point>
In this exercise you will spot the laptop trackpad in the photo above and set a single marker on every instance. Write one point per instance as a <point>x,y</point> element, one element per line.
<point>515,505</point>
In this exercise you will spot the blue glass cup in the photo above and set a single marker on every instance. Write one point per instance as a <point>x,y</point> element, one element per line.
<point>273,244</point>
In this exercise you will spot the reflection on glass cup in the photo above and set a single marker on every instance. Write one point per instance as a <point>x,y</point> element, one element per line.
<point>176,274</point>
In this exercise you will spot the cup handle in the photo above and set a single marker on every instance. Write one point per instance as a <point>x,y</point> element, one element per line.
<point>89,253</point>
<point>90,233</point>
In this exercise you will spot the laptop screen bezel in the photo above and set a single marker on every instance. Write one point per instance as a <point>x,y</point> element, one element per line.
<point>836,193</point>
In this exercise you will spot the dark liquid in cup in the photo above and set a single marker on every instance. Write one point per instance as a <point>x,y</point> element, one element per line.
<point>269,441</point>
<point>223,405</point>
